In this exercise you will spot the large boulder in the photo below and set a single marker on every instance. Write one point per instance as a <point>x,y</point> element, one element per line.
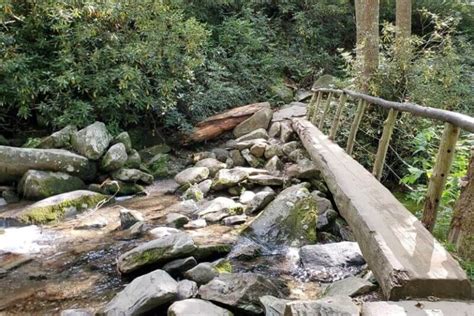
<point>59,139</point>
<point>290,219</point>
<point>260,119</point>
<point>195,306</point>
<point>15,162</point>
<point>192,175</point>
<point>115,158</point>
<point>132,175</point>
<point>240,291</point>
<point>37,185</point>
<point>159,251</point>
<point>143,294</point>
<point>58,206</point>
<point>91,141</point>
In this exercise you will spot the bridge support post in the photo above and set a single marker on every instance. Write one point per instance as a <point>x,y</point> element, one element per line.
<point>355,126</point>
<point>337,117</point>
<point>316,108</point>
<point>388,126</point>
<point>326,110</point>
<point>312,102</point>
<point>441,169</point>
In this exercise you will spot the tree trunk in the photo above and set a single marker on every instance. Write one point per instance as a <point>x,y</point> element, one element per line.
<point>367,50</point>
<point>461,233</point>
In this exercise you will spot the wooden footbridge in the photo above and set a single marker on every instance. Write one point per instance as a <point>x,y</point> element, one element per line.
<point>406,259</point>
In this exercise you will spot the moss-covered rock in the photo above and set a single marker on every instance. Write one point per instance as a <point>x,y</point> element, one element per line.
<point>134,160</point>
<point>115,158</point>
<point>132,175</point>
<point>116,187</point>
<point>59,139</point>
<point>37,185</point>
<point>158,166</point>
<point>123,138</point>
<point>91,141</point>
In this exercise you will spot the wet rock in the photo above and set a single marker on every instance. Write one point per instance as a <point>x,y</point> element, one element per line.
<point>179,266</point>
<point>37,185</point>
<point>211,251</point>
<point>77,312</point>
<point>133,160</point>
<point>255,134</point>
<point>239,291</point>
<point>274,130</point>
<point>176,220</point>
<point>187,289</point>
<point>351,286</point>
<point>193,193</point>
<point>258,150</point>
<point>143,294</point>
<point>15,162</point>
<point>196,307</point>
<point>290,219</point>
<point>273,306</point>
<point>128,218</point>
<point>260,119</point>
<point>235,220</point>
<point>59,139</point>
<point>195,224</point>
<point>286,131</point>
<point>274,164</point>
<point>237,158</point>
<point>132,175</point>
<point>297,155</point>
<point>93,223</point>
<point>245,249</point>
<point>205,186</point>
<point>229,163</point>
<point>260,200</point>
<point>202,273</point>
<point>222,204</point>
<point>158,251</point>
<point>150,152</point>
<point>192,175</point>
<point>123,138</point>
<point>212,164</point>
<point>91,141</point>
<point>333,261</point>
<point>221,154</point>
<point>227,178</point>
<point>336,305</point>
<point>263,179</point>
<point>59,206</point>
<point>115,158</point>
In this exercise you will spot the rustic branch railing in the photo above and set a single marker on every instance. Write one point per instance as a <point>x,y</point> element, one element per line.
<point>453,123</point>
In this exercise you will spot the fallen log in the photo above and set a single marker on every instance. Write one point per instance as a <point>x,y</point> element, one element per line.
<point>404,257</point>
<point>216,125</point>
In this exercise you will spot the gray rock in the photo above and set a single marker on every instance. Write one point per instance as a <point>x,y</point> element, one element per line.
<point>302,95</point>
<point>132,175</point>
<point>246,197</point>
<point>196,307</point>
<point>251,159</point>
<point>255,134</point>
<point>342,229</point>
<point>273,306</point>
<point>351,286</point>
<point>273,150</point>
<point>133,160</point>
<point>222,204</point>
<point>3,202</point>
<point>229,163</point>
<point>290,219</point>
<point>192,175</point>
<point>326,219</point>
<point>212,164</point>
<point>274,130</point>
<point>158,251</point>
<point>188,208</point>
<point>93,223</point>
<point>240,291</point>
<point>123,138</point>
<point>150,152</point>
<point>205,186</point>
<point>163,231</point>
<point>289,111</point>
<point>221,154</point>
<point>237,158</point>
<point>297,155</point>
<point>15,162</point>
<point>91,141</point>
<point>247,144</point>
<point>115,158</point>
<point>260,200</point>
<point>195,224</point>
<point>143,294</point>
<point>264,179</point>
<point>59,139</point>
<point>202,155</point>
<point>245,249</point>
<point>260,119</point>
<point>336,305</point>
<point>216,216</point>
<point>258,150</point>
<point>274,164</point>
<point>227,178</point>
<point>193,193</point>
<point>286,131</point>
<point>118,188</point>
<point>37,185</point>
<point>304,169</point>
<point>211,251</point>
<point>77,312</point>
<point>202,273</point>
<point>289,147</point>
<point>178,266</point>
<point>235,220</point>
<point>129,217</point>
<point>137,230</point>
<point>176,220</point>
<point>187,289</point>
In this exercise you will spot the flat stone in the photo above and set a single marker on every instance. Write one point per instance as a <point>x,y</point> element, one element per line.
<point>235,220</point>
<point>222,204</point>
<point>76,312</point>
<point>195,224</point>
<point>418,308</point>
<point>237,158</point>
<point>180,265</point>
<point>295,109</point>
<point>260,200</point>
<point>246,144</point>
<point>274,306</point>
<point>258,133</point>
<point>59,139</point>
<point>143,294</point>
<point>260,119</point>
<point>94,223</point>
<point>148,153</point>
<point>251,159</point>
<point>176,220</point>
<point>266,180</point>
<point>211,251</point>
<point>202,273</point>
<point>216,216</point>
<point>202,155</point>
<point>245,249</point>
<point>196,307</point>
<point>335,305</point>
<point>192,175</point>
<point>187,289</point>
<point>246,197</point>
<point>351,286</point>
<point>132,175</point>
<point>213,165</point>
<point>227,178</point>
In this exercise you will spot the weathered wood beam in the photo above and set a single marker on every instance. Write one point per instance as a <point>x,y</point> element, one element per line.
<point>326,110</point>
<point>337,117</point>
<point>355,126</point>
<point>316,107</point>
<point>311,104</point>
<point>404,257</point>
<point>444,159</point>
<point>388,126</point>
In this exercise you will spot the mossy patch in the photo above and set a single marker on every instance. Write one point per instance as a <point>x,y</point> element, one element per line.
<point>159,166</point>
<point>224,266</point>
<point>301,223</point>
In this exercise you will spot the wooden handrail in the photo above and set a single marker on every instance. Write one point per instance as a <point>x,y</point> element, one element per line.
<point>463,121</point>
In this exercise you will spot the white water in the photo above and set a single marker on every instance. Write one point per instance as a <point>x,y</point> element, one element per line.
<point>24,240</point>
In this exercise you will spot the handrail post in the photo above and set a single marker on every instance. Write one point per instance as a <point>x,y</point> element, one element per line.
<point>310,111</point>
<point>337,117</point>
<point>388,126</point>
<point>326,110</point>
<point>438,179</point>
<point>316,108</point>
<point>355,126</point>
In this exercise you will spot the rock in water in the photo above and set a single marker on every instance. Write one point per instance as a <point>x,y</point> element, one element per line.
<point>144,294</point>
<point>196,307</point>
<point>290,219</point>
<point>132,175</point>
<point>260,119</point>
<point>91,141</point>
<point>37,185</point>
<point>192,175</point>
<point>115,158</point>
<point>15,162</point>
<point>56,207</point>
<point>334,305</point>
<point>59,139</point>
<point>161,250</point>
<point>240,291</point>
